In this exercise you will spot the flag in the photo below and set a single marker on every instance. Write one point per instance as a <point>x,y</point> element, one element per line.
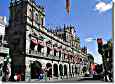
<point>68,6</point>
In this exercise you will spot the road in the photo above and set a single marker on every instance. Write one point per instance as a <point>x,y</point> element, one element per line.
<point>73,80</point>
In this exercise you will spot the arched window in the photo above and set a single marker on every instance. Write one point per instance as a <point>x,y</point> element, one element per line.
<point>65,70</point>
<point>33,43</point>
<point>55,52</point>
<point>36,69</point>
<point>49,67</point>
<point>39,48</point>
<point>48,50</point>
<point>55,67</point>
<point>59,53</point>
<point>61,69</point>
<point>37,17</point>
<point>30,13</point>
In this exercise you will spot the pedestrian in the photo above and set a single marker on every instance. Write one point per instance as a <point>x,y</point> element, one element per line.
<point>6,72</point>
<point>17,77</point>
<point>45,74</point>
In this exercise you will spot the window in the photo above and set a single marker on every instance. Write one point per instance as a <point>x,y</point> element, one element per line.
<point>42,21</point>
<point>59,54</point>
<point>36,17</point>
<point>55,52</point>
<point>0,38</point>
<point>48,51</point>
<point>32,46</point>
<point>30,13</point>
<point>64,56</point>
<point>39,48</point>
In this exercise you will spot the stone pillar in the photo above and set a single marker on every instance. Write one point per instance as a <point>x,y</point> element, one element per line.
<point>52,70</point>
<point>28,70</point>
<point>58,71</point>
<point>27,41</point>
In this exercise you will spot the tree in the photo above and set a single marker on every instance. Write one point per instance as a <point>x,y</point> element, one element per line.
<point>90,58</point>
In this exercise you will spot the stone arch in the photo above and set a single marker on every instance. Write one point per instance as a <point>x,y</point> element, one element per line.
<point>55,68</point>
<point>72,69</point>
<point>49,69</point>
<point>61,69</point>
<point>76,69</point>
<point>36,69</point>
<point>65,70</point>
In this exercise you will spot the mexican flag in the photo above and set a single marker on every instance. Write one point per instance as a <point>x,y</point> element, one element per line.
<point>68,6</point>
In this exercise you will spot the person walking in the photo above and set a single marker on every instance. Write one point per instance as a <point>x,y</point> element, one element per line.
<point>6,72</point>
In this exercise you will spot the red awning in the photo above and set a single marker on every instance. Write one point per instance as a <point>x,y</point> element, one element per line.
<point>59,49</point>
<point>49,47</point>
<point>55,48</point>
<point>35,41</point>
<point>41,43</point>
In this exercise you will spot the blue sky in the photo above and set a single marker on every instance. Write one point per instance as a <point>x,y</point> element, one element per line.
<point>91,22</point>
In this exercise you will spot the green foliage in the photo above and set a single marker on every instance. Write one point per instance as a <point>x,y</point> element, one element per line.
<point>90,57</point>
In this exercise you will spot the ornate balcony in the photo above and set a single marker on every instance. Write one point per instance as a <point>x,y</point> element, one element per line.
<point>42,55</point>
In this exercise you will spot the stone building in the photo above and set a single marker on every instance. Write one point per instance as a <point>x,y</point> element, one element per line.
<point>4,50</point>
<point>35,50</point>
<point>67,34</point>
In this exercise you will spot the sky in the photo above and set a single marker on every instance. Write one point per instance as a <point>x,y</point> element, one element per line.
<point>92,19</point>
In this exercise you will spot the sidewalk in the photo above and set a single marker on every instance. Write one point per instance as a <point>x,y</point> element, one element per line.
<point>54,80</point>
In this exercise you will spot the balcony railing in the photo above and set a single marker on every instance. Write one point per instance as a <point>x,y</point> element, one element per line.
<point>44,55</point>
<point>4,50</point>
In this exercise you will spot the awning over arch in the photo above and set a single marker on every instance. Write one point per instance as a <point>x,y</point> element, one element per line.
<point>41,43</point>
<point>49,47</point>
<point>34,41</point>
<point>55,48</point>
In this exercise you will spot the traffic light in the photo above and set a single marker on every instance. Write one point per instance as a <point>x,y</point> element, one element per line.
<point>100,44</point>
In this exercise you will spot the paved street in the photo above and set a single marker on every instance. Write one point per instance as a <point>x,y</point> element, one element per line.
<point>72,80</point>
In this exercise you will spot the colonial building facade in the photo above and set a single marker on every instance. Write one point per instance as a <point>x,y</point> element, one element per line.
<point>4,50</point>
<point>36,50</point>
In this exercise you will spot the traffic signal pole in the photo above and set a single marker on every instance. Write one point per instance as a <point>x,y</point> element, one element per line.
<point>101,51</point>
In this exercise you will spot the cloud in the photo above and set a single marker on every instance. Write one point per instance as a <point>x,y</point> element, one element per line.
<point>104,41</point>
<point>114,1</point>
<point>89,39</point>
<point>103,7</point>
